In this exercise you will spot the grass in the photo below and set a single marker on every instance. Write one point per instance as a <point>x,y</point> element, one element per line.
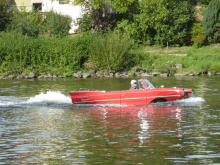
<point>206,58</point>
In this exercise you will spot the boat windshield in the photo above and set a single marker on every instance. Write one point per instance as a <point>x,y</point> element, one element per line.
<point>148,83</point>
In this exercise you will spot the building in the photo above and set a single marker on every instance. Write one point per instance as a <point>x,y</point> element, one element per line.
<point>48,5</point>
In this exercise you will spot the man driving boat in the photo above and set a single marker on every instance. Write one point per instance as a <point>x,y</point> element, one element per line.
<point>133,85</point>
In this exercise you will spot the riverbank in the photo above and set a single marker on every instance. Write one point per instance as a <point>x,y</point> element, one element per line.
<point>140,72</point>
<point>85,56</point>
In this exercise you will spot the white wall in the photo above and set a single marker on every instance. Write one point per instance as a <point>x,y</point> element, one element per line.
<point>64,9</point>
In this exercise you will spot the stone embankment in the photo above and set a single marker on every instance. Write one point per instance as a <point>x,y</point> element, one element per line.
<point>134,72</point>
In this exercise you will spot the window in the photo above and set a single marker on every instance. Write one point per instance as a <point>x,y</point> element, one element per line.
<point>37,6</point>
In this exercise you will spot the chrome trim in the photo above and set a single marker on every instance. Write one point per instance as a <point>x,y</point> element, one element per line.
<point>174,90</point>
<point>164,96</point>
<point>127,99</point>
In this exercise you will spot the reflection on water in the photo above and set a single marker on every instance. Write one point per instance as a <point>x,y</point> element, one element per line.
<point>43,127</point>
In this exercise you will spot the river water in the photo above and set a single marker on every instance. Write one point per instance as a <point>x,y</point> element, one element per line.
<point>39,124</point>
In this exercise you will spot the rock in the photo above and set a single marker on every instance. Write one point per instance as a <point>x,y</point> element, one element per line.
<point>112,71</point>
<point>60,76</point>
<point>209,73</point>
<point>31,75</point>
<point>195,73</point>
<point>137,74</point>
<point>129,73</point>
<point>49,75</point>
<point>92,72</point>
<point>42,76</point>
<point>23,74</point>
<point>178,74</point>
<point>124,74</point>
<point>164,75</point>
<point>75,75</point>
<point>55,76</point>
<point>26,77</point>
<point>111,74</point>
<point>86,75</point>
<point>105,73</point>
<point>100,73</point>
<point>186,73</point>
<point>156,73</point>
<point>10,76</point>
<point>179,66</point>
<point>79,74</point>
<point>145,75</point>
<point>137,69</point>
<point>1,77</point>
<point>20,77</point>
<point>117,75</point>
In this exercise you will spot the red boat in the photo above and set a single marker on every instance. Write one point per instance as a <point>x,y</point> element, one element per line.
<point>147,93</point>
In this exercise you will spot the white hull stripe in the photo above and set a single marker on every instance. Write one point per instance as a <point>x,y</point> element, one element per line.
<point>137,98</point>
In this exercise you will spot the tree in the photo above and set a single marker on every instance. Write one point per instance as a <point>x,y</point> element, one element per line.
<point>121,6</point>
<point>211,18</point>
<point>161,21</point>
<point>5,15</point>
<point>158,21</point>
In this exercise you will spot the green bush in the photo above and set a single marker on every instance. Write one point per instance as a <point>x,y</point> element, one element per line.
<point>110,52</point>
<point>197,33</point>
<point>215,67</point>
<point>27,23</point>
<point>57,24</point>
<point>43,54</point>
<point>5,15</point>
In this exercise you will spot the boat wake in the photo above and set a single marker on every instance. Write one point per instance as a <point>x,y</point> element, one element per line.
<point>51,98</point>
<point>191,101</point>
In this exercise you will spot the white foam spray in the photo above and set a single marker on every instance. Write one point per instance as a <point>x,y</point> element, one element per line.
<point>50,96</point>
<point>54,97</point>
<point>191,100</point>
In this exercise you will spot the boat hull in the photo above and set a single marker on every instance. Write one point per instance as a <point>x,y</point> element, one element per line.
<point>130,97</point>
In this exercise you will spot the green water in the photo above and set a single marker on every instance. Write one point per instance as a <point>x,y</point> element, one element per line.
<point>39,124</point>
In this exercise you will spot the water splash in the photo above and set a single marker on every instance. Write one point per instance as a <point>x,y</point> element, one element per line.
<point>191,101</point>
<point>50,96</point>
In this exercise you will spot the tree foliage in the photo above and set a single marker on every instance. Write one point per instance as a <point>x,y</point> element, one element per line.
<point>57,24</point>
<point>5,15</point>
<point>158,21</point>
<point>97,19</point>
<point>205,2</point>
<point>211,18</point>
<point>121,6</point>
<point>27,23</point>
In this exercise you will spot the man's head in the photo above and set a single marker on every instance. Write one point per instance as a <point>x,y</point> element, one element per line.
<point>134,83</point>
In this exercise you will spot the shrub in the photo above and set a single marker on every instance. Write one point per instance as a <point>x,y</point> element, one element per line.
<point>5,15</point>
<point>108,51</point>
<point>197,33</point>
<point>57,24</point>
<point>27,23</point>
<point>42,54</point>
<point>215,67</point>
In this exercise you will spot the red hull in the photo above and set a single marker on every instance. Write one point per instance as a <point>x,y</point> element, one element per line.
<point>130,97</point>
